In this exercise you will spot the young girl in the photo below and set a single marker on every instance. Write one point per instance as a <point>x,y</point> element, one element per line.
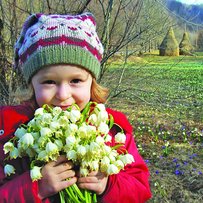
<point>59,56</point>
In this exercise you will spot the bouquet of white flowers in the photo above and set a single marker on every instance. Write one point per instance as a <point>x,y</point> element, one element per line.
<point>81,136</point>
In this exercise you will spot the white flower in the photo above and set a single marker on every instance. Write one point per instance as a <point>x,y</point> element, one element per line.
<point>82,131</point>
<point>107,149</point>
<point>120,138</point>
<point>32,123</point>
<point>63,121</point>
<point>71,129</point>
<point>92,119</point>
<point>39,111</point>
<point>51,148</point>
<point>56,111</point>
<point>107,138</point>
<point>100,140</point>
<point>84,172</point>
<point>112,155</point>
<point>35,173</point>
<point>67,114</point>
<point>59,144</point>
<point>94,165</point>
<point>45,132</point>
<point>27,140</point>
<point>105,161</point>
<point>126,158</point>
<point>81,150</point>
<point>71,155</point>
<point>14,153</point>
<point>103,128</point>
<point>42,141</point>
<point>91,130</point>
<point>46,117</point>
<point>119,164</point>
<point>20,132</point>
<point>9,169</point>
<point>8,147</point>
<point>112,169</point>
<point>42,156</point>
<point>70,141</point>
<point>101,107</point>
<point>102,116</point>
<point>94,147</point>
<point>54,125</point>
<point>74,115</point>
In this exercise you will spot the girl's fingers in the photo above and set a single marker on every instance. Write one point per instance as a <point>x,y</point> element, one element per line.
<point>61,159</point>
<point>64,167</point>
<point>66,175</point>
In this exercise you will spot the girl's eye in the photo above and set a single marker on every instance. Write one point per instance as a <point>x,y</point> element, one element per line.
<point>48,82</point>
<point>75,81</point>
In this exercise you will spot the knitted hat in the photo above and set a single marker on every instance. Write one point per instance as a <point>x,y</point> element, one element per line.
<point>56,39</point>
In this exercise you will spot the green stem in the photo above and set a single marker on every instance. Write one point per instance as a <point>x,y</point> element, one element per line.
<point>72,195</point>
<point>62,199</point>
<point>79,193</point>
<point>94,198</point>
<point>86,197</point>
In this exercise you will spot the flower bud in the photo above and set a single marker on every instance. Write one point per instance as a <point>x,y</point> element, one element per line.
<point>56,111</point>
<point>27,140</point>
<point>39,111</point>
<point>9,169</point>
<point>54,125</point>
<point>103,128</point>
<point>71,155</point>
<point>92,119</point>
<point>14,153</point>
<point>101,107</point>
<point>84,172</point>
<point>70,141</point>
<point>45,132</point>
<point>102,116</point>
<point>112,169</point>
<point>71,129</point>
<point>120,138</point>
<point>8,147</point>
<point>94,165</point>
<point>51,148</point>
<point>35,173</point>
<point>126,158</point>
<point>74,115</point>
<point>81,150</point>
<point>100,140</point>
<point>20,132</point>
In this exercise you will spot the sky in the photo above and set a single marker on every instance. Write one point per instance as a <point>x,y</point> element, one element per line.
<point>191,1</point>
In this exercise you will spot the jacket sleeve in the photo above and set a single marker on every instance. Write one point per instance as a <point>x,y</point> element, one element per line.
<point>18,187</point>
<point>131,184</point>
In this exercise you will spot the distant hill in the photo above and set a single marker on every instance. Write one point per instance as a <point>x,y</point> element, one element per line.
<point>192,13</point>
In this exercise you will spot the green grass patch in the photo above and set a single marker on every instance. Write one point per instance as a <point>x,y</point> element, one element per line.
<point>162,97</point>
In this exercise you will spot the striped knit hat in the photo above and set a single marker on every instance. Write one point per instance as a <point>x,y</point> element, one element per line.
<point>55,39</point>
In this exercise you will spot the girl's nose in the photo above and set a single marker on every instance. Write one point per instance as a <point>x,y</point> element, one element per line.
<point>63,91</point>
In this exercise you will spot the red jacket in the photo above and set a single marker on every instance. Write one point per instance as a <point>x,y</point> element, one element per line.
<point>129,186</point>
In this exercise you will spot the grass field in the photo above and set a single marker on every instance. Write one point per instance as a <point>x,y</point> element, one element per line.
<point>163,99</point>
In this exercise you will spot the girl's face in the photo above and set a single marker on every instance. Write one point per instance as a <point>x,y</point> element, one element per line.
<point>62,85</point>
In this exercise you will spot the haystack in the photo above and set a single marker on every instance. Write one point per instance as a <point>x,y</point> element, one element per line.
<point>169,45</point>
<point>185,46</point>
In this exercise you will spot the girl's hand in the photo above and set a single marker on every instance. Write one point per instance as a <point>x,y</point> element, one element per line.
<point>54,177</point>
<point>96,181</point>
